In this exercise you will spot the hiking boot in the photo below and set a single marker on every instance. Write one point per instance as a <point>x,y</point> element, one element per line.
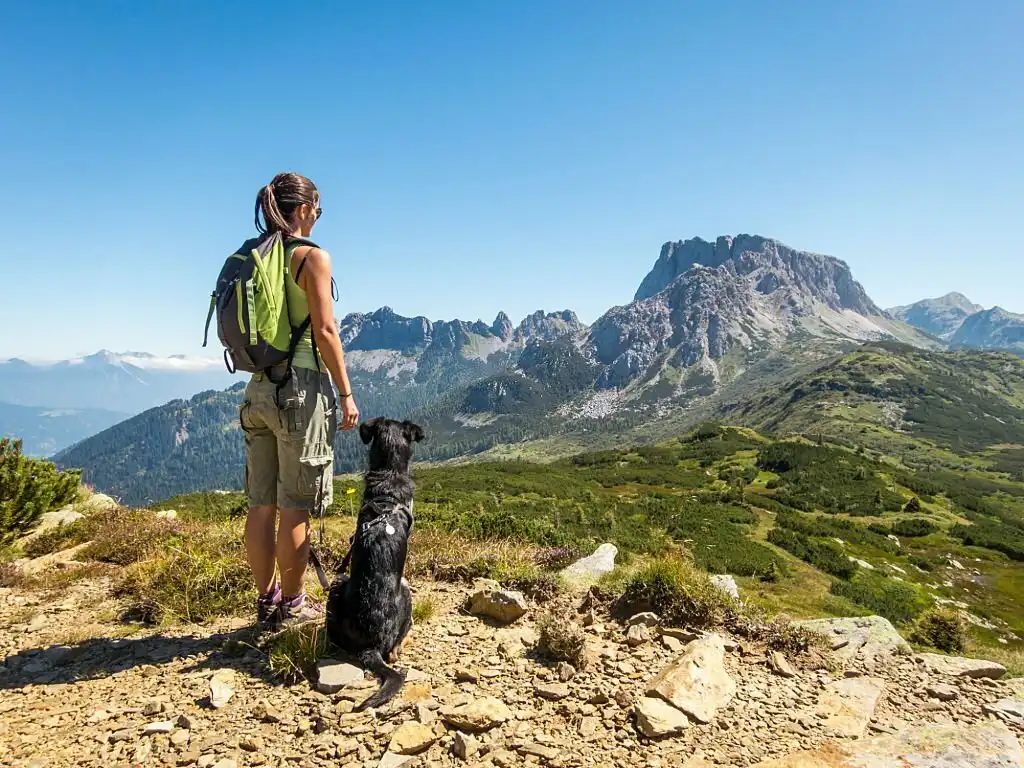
<point>267,607</point>
<point>297,610</point>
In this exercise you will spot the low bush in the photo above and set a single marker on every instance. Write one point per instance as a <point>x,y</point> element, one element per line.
<point>942,628</point>
<point>423,610</point>
<point>896,601</point>
<point>914,527</point>
<point>823,555</point>
<point>124,536</point>
<point>293,653</point>
<point>56,539</point>
<point>922,562</point>
<point>680,593</point>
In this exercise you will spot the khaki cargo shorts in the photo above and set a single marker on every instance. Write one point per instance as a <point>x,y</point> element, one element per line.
<point>289,448</point>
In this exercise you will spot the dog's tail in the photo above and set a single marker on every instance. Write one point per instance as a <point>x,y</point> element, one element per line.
<point>391,680</point>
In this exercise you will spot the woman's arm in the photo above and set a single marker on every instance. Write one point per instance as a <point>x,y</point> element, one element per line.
<point>315,280</point>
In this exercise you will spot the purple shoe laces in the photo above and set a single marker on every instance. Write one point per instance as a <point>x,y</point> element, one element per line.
<point>273,597</point>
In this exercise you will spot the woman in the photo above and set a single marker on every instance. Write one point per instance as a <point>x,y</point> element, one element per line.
<point>290,421</point>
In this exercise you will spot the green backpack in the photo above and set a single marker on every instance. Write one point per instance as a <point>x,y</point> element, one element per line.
<point>251,306</point>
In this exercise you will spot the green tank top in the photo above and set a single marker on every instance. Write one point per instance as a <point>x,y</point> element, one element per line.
<point>298,309</point>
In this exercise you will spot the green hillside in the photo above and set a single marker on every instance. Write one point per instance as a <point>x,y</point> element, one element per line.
<point>932,410</point>
<point>810,529</point>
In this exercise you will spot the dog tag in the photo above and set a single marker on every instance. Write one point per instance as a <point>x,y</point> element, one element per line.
<point>389,529</point>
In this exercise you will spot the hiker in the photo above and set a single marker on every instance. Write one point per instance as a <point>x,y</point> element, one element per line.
<point>289,412</point>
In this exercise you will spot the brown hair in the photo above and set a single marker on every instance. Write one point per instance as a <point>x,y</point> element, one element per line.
<point>279,200</point>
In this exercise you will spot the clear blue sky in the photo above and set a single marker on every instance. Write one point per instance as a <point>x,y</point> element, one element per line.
<point>480,155</point>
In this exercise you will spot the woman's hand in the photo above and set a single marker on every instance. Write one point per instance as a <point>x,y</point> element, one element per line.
<point>349,412</point>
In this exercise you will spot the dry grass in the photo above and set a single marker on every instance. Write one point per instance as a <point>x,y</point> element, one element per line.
<point>561,640</point>
<point>59,579</point>
<point>193,578</point>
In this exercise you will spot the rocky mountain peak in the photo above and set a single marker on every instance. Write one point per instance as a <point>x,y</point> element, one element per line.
<point>549,326</point>
<point>502,327</point>
<point>940,317</point>
<point>770,266</point>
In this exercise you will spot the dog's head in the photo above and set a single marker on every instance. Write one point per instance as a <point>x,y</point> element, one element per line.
<point>390,442</point>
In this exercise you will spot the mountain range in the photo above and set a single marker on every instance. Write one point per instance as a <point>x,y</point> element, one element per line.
<point>965,325</point>
<point>126,382</point>
<point>712,325</point>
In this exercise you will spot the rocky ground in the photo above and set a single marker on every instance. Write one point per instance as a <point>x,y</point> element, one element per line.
<point>75,691</point>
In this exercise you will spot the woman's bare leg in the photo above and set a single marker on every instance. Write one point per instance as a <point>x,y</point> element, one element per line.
<point>293,550</point>
<point>260,546</point>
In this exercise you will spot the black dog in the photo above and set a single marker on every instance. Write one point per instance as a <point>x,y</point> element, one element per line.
<point>370,612</point>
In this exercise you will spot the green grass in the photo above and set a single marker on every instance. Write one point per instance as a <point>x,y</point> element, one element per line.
<point>719,499</point>
<point>423,610</point>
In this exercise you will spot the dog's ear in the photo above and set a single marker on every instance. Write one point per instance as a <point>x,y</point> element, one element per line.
<point>368,430</point>
<point>412,432</point>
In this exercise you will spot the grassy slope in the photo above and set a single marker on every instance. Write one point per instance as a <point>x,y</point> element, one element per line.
<point>715,498</point>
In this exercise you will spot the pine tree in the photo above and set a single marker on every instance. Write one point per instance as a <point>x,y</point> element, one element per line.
<point>28,489</point>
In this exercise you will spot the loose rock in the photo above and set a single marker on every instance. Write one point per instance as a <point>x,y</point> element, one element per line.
<point>412,738</point>
<point>491,601</point>
<point>960,667</point>
<point>332,676</point>
<point>657,719</point>
<point>696,682</point>
<point>478,715</point>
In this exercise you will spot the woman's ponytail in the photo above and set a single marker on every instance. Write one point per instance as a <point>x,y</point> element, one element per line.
<point>278,201</point>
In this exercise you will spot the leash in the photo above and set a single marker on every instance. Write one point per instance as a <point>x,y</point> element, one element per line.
<point>321,574</point>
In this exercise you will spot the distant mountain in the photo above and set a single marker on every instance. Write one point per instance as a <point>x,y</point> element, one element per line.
<point>940,317</point>
<point>991,329</point>
<point>127,382</point>
<point>397,365</point>
<point>45,431</point>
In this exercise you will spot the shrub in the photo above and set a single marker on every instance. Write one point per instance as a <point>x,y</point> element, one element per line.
<point>824,555</point>
<point>561,640</point>
<point>922,562</point>
<point>124,536</point>
<point>895,601</point>
<point>29,488</point>
<point>914,526</point>
<point>682,595</point>
<point>56,539</point>
<point>941,628</point>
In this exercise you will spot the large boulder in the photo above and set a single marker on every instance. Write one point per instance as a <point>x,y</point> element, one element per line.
<point>958,666</point>
<point>982,745</point>
<point>866,637</point>
<point>587,571</point>
<point>696,682</point>
<point>727,584</point>
<point>48,521</point>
